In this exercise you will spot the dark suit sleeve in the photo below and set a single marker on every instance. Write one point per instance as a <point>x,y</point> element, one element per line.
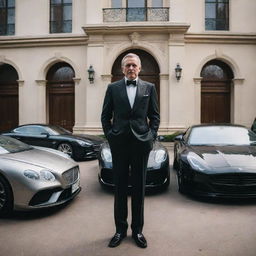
<point>107,112</point>
<point>153,112</point>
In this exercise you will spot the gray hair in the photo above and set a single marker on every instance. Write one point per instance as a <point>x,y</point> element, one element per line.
<point>130,55</point>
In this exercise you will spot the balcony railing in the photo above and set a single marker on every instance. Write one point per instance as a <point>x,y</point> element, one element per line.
<point>135,14</point>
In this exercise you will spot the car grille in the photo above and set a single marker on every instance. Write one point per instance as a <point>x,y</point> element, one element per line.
<point>235,179</point>
<point>236,183</point>
<point>71,175</point>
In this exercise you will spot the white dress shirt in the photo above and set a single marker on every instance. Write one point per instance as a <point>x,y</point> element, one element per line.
<point>131,91</point>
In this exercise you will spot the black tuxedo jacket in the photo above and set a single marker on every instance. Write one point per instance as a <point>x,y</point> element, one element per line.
<point>119,119</point>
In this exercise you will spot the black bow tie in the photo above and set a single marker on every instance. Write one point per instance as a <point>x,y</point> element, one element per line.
<point>133,82</point>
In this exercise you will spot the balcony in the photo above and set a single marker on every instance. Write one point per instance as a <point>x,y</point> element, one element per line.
<point>135,14</point>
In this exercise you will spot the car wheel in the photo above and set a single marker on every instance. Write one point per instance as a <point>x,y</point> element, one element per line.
<point>66,148</point>
<point>6,197</point>
<point>181,181</point>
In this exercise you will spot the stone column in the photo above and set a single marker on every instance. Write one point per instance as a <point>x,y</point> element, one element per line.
<point>197,100</point>
<point>42,110</point>
<point>164,102</point>
<point>20,100</point>
<point>237,100</point>
<point>176,88</point>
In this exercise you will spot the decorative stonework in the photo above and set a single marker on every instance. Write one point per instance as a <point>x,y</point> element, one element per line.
<point>41,82</point>
<point>76,80</point>
<point>20,82</point>
<point>135,37</point>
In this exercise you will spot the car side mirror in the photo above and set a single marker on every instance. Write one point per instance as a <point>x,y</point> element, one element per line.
<point>160,138</point>
<point>46,134</point>
<point>179,138</point>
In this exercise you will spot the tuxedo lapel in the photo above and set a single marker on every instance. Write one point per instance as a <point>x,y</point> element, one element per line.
<point>141,91</point>
<point>123,94</point>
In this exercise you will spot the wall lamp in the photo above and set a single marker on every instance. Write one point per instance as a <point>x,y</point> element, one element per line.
<point>91,73</point>
<point>178,71</point>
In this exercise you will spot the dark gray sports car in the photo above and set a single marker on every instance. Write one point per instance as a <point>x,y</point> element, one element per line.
<point>79,147</point>
<point>158,172</point>
<point>216,161</point>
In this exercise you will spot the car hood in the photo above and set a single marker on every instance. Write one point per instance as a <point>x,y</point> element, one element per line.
<point>39,158</point>
<point>227,156</point>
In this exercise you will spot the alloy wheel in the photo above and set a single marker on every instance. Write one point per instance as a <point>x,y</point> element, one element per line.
<point>66,148</point>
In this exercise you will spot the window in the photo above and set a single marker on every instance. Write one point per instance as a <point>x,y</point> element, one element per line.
<point>217,14</point>
<point>61,16</point>
<point>136,10</point>
<point>157,3</point>
<point>7,17</point>
<point>31,130</point>
<point>116,3</point>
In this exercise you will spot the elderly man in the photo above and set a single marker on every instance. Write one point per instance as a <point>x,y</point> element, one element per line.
<point>130,120</point>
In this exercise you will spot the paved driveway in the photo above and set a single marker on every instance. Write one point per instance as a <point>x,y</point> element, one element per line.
<point>174,225</point>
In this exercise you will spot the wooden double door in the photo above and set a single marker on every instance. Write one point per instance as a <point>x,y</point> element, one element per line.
<point>215,102</point>
<point>9,98</point>
<point>61,96</point>
<point>216,92</point>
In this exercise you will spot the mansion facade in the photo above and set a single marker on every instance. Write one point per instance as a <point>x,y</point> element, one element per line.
<point>56,61</point>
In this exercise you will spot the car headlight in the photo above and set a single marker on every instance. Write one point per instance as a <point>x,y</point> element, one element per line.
<point>31,174</point>
<point>47,175</point>
<point>197,163</point>
<point>160,156</point>
<point>42,175</point>
<point>84,143</point>
<point>106,155</point>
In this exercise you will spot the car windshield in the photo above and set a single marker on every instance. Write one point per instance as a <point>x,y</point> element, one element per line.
<point>57,130</point>
<point>10,145</point>
<point>221,135</point>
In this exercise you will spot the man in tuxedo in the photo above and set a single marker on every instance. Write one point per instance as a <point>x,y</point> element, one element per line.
<point>130,120</point>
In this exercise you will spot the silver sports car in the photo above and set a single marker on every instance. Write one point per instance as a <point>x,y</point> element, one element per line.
<point>34,178</point>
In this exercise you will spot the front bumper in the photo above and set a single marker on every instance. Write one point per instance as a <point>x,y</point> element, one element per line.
<point>225,185</point>
<point>155,178</point>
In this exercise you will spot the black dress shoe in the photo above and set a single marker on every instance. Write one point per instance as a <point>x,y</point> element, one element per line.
<point>140,240</point>
<point>116,239</point>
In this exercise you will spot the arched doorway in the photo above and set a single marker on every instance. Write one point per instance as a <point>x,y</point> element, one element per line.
<point>9,103</point>
<point>215,92</point>
<point>60,95</point>
<point>149,71</point>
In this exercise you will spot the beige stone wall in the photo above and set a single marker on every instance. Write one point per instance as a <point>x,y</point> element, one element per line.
<point>33,50</point>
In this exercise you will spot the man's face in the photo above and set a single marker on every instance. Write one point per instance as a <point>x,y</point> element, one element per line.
<point>131,68</point>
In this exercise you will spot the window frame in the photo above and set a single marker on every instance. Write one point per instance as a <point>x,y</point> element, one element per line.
<point>6,26</point>
<point>217,19</point>
<point>60,28</point>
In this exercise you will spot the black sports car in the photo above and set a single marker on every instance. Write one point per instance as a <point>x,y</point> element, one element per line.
<point>79,147</point>
<point>158,172</point>
<point>216,161</point>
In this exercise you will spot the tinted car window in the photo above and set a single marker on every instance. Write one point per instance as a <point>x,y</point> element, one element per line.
<point>10,145</point>
<point>221,135</point>
<point>31,130</point>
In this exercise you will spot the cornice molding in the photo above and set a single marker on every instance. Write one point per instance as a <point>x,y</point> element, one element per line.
<point>131,27</point>
<point>220,38</point>
<point>23,42</point>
